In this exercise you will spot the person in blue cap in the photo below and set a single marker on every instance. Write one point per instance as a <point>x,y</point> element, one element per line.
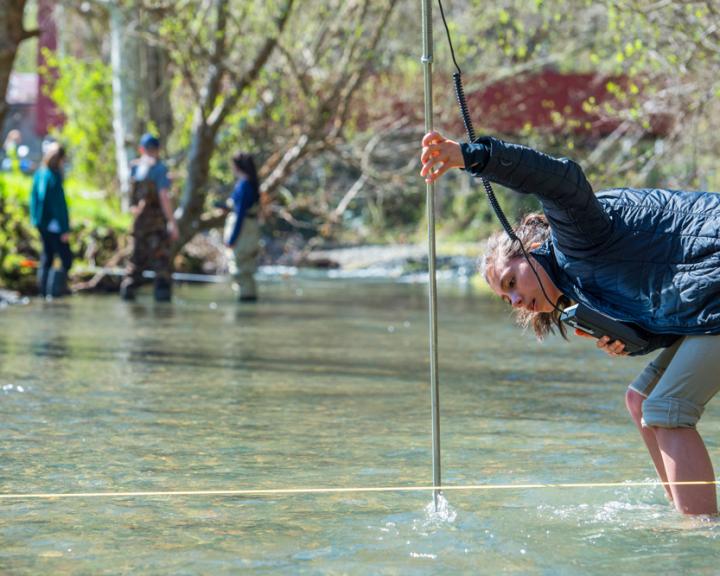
<point>154,228</point>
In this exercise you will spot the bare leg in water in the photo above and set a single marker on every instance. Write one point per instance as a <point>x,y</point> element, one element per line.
<point>633,401</point>
<point>679,455</point>
<point>687,460</point>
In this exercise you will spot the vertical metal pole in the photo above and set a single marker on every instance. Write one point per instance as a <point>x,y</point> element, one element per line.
<point>427,59</point>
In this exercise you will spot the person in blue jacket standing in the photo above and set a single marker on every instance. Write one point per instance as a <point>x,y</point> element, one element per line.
<point>648,257</point>
<point>242,230</point>
<point>49,214</point>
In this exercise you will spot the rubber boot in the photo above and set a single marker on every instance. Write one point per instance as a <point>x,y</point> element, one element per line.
<point>163,291</point>
<point>127,291</point>
<point>247,288</point>
<point>57,283</point>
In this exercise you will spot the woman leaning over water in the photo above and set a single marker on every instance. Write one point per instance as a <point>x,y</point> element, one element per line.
<point>645,256</point>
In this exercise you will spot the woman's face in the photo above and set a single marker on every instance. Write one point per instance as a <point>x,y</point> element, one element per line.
<point>514,281</point>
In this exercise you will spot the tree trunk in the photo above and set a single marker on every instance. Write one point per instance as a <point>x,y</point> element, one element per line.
<point>156,79</point>
<point>12,34</point>
<point>192,202</point>
<point>210,115</point>
<point>125,65</point>
<point>156,86</point>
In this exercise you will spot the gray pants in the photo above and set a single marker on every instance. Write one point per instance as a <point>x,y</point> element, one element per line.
<point>243,255</point>
<point>680,382</point>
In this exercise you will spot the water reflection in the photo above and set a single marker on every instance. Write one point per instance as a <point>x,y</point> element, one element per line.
<point>50,344</point>
<point>142,311</point>
<point>310,388</point>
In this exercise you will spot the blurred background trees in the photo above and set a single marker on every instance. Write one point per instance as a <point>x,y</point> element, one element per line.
<point>328,96</point>
<point>12,34</point>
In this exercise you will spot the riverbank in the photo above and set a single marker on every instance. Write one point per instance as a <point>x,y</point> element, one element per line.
<point>372,256</point>
<point>100,244</point>
<point>8,297</point>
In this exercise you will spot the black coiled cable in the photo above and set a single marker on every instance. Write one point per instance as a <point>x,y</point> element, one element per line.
<point>462,103</point>
<point>464,112</point>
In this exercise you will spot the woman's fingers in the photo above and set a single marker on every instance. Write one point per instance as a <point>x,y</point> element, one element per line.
<point>430,152</point>
<point>434,162</point>
<point>612,347</point>
<point>426,167</point>
<point>431,155</point>
<point>432,138</point>
<point>619,348</point>
<point>438,169</point>
<point>435,166</point>
<point>439,155</point>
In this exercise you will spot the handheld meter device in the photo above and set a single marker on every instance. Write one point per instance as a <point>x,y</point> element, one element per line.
<point>598,325</point>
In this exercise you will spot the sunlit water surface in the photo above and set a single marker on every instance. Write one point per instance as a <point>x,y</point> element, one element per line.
<point>322,384</point>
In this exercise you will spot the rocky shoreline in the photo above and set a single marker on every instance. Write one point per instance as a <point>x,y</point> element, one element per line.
<point>367,256</point>
<point>209,254</point>
<point>8,297</point>
<point>404,262</point>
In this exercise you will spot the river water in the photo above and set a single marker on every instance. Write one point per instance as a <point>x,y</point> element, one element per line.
<point>322,384</point>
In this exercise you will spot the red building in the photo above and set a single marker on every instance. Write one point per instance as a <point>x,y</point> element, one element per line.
<point>551,101</point>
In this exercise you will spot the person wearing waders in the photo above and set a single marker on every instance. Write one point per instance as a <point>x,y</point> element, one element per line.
<point>647,257</point>
<point>242,230</point>
<point>154,228</point>
<point>49,214</point>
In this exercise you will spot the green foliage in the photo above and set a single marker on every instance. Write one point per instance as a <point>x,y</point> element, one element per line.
<point>26,57</point>
<point>658,58</point>
<point>96,226</point>
<point>83,92</point>
<point>18,249</point>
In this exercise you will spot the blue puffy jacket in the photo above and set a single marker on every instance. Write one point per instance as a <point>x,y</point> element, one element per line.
<point>649,256</point>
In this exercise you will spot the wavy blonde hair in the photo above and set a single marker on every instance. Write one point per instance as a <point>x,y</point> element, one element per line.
<point>534,228</point>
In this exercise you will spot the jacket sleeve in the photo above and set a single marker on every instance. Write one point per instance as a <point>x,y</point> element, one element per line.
<point>577,219</point>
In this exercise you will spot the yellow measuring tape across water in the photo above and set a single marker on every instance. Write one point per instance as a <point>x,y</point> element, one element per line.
<point>351,490</point>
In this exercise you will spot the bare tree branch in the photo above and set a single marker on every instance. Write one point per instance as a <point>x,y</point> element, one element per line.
<point>241,83</point>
